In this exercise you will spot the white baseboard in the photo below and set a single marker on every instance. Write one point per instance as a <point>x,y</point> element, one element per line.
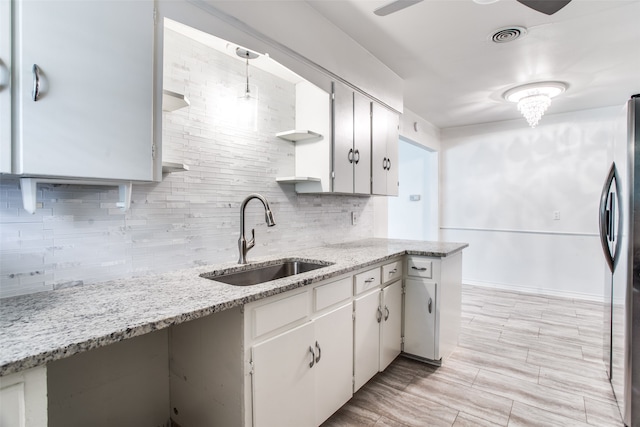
<point>536,291</point>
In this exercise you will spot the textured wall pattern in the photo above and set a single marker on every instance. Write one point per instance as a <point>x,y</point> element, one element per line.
<point>79,236</point>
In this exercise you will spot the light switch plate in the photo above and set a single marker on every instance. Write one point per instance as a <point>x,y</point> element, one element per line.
<point>354,218</point>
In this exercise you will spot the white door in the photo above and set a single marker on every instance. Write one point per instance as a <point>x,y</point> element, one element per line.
<point>94,113</point>
<point>342,139</point>
<point>361,144</point>
<point>420,318</point>
<point>366,338</point>
<point>334,368</point>
<point>391,331</point>
<point>283,379</point>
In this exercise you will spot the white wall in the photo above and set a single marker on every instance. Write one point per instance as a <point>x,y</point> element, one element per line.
<point>79,236</point>
<point>502,182</point>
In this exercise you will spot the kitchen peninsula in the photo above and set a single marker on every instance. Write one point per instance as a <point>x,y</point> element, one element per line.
<point>46,328</point>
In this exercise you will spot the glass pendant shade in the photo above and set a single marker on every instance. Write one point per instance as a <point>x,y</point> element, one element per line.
<point>533,99</point>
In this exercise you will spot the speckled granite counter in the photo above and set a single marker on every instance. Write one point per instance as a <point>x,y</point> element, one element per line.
<point>39,328</point>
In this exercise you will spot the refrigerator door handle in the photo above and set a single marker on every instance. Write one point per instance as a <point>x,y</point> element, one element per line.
<point>608,217</point>
<point>605,216</point>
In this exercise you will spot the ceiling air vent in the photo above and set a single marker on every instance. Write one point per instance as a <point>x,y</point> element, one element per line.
<point>507,34</point>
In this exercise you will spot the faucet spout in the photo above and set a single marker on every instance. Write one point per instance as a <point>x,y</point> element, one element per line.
<point>243,245</point>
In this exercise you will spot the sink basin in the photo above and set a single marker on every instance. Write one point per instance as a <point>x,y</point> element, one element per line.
<point>266,273</point>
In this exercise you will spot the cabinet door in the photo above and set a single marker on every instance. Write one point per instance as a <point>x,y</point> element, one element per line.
<point>420,307</point>
<point>342,138</point>
<point>5,86</point>
<point>94,115</point>
<point>391,330</point>
<point>393,134</point>
<point>378,149</point>
<point>283,380</point>
<point>384,149</point>
<point>366,338</point>
<point>334,368</point>
<point>361,144</point>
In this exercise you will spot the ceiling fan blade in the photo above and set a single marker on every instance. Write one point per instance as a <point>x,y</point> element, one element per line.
<point>548,7</point>
<point>394,6</point>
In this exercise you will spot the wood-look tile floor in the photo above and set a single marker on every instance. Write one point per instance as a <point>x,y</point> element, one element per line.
<point>522,360</point>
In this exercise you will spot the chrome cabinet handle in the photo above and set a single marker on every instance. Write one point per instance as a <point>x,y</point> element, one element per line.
<point>356,153</point>
<point>370,280</point>
<point>394,271</point>
<point>35,92</point>
<point>388,164</point>
<point>313,357</point>
<point>419,269</point>
<point>319,352</point>
<point>429,304</point>
<point>379,315</point>
<point>386,315</point>
<point>350,155</point>
<point>384,163</point>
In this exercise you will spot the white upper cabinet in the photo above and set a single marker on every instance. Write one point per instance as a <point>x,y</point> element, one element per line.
<point>84,89</point>
<point>351,141</point>
<point>342,139</point>
<point>384,146</point>
<point>5,86</point>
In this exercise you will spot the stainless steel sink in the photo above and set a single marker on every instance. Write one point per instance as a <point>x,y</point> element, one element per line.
<point>266,273</point>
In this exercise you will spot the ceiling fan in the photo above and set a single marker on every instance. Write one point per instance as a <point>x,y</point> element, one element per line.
<point>548,7</point>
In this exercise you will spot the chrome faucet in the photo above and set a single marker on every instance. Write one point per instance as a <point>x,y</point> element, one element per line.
<point>243,245</point>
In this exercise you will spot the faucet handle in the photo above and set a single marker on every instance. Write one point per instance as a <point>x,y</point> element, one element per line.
<point>252,242</point>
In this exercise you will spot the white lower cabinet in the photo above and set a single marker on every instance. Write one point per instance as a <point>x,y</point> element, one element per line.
<point>420,303</point>
<point>283,379</point>
<point>23,398</point>
<point>432,307</point>
<point>391,324</point>
<point>333,370</point>
<point>366,337</point>
<point>302,376</point>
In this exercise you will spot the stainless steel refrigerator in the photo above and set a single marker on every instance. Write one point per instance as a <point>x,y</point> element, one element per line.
<point>620,238</point>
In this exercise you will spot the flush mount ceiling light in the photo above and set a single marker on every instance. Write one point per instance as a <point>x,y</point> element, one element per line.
<point>533,99</point>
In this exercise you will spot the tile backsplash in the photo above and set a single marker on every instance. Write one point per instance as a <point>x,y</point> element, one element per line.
<point>78,235</point>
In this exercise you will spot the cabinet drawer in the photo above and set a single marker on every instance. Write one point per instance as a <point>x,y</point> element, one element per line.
<point>420,267</point>
<point>332,293</point>
<point>271,316</point>
<point>366,280</point>
<point>391,271</point>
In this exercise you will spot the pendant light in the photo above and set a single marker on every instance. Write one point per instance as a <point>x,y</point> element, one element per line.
<point>247,99</point>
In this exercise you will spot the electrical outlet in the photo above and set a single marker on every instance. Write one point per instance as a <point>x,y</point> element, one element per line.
<point>354,218</point>
<point>556,215</point>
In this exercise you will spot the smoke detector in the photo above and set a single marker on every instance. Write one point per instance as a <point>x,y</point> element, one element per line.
<point>507,34</point>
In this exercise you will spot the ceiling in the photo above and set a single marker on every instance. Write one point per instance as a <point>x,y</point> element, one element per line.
<point>454,75</point>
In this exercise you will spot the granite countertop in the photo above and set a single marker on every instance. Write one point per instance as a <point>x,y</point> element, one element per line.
<point>43,327</point>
